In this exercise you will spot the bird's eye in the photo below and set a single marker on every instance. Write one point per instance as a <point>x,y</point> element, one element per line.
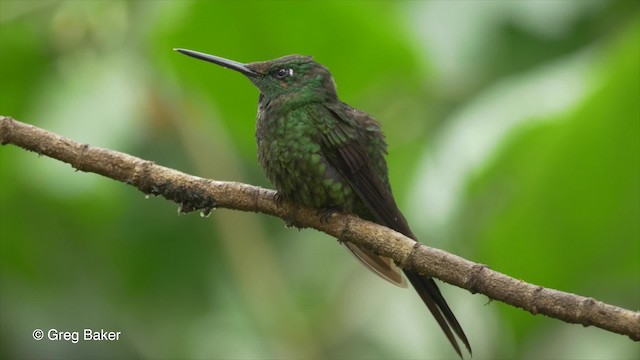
<point>283,73</point>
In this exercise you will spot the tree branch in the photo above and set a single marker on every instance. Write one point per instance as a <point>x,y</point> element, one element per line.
<point>197,194</point>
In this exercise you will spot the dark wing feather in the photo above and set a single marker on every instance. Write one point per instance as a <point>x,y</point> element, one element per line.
<point>348,154</point>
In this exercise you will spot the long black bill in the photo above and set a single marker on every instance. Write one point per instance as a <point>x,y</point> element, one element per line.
<point>229,64</point>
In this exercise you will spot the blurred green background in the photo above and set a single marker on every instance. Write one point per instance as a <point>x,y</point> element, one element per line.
<point>514,132</point>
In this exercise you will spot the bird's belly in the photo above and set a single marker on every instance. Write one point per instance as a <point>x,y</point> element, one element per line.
<point>300,172</point>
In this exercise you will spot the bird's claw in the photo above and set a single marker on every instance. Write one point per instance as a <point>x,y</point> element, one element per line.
<point>278,198</point>
<point>327,213</point>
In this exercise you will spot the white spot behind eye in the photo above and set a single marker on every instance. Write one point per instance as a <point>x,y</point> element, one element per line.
<point>284,72</point>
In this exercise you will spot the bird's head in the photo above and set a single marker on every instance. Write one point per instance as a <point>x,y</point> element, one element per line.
<point>292,78</point>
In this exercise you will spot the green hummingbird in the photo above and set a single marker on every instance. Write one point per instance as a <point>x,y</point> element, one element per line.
<point>322,153</point>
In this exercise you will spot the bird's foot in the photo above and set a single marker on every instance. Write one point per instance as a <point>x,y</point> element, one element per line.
<point>327,213</point>
<point>279,198</point>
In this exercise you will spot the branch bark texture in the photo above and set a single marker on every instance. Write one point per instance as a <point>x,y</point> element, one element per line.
<point>197,194</point>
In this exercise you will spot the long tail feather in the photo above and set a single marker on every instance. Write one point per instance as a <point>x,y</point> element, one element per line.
<point>430,294</point>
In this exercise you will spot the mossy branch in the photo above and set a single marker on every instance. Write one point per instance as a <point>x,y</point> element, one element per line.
<point>197,194</point>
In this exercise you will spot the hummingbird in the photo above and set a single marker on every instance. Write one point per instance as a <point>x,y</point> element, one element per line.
<point>322,153</point>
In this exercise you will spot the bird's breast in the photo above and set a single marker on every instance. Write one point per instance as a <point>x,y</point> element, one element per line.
<point>291,156</point>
